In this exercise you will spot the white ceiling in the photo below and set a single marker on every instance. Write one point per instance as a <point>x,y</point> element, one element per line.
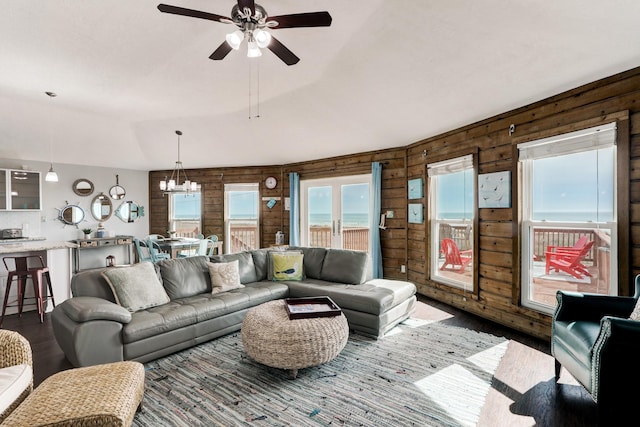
<point>386,73</point>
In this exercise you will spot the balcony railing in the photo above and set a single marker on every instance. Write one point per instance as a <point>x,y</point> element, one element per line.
<point>353,238</point>
<point>244,237</point>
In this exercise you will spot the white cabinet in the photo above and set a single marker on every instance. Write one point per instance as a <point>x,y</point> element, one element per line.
<point>20,190</point>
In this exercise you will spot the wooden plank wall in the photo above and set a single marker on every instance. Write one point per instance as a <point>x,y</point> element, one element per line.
<point>498,249</point>
<point>212,181</point>
<point>394,195</point>
<point>498,240</point>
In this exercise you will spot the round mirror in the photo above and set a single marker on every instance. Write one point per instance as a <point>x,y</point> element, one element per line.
<point>71,215</point>
<point>117,192</point>
<point>101,207</point>
<point>82,187</point>
<point>129,211</point>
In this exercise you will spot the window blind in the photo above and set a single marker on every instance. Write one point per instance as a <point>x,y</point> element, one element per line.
<point>569,143</point>
<point>450,166</point>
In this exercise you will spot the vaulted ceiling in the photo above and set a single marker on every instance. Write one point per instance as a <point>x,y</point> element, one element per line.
<point>386,73</point>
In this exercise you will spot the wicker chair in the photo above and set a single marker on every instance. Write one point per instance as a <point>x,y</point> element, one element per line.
<point>15,350</point>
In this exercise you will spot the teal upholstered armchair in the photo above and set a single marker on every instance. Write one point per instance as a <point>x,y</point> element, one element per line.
<point>595,341</point>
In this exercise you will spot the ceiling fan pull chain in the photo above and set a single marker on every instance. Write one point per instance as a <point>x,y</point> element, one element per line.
<point>258,89</point>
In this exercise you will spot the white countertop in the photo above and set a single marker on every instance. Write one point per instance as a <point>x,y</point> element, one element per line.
<point>34,246</point>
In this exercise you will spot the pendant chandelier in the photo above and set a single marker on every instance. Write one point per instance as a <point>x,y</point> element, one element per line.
<point>51,176</point>
<point>172,184</point>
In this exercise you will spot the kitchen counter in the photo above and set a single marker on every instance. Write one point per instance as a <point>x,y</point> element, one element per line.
<point>22,239</point>
<point>33,246</point>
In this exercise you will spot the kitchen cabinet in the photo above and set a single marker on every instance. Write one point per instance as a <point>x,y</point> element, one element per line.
<point>20,190</point>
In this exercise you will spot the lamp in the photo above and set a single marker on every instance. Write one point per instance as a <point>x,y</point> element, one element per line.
<point>234,39</point>
<point>252,28</point>
<point>252,48</point>
<point>172,185</point>
<point>51,176</point>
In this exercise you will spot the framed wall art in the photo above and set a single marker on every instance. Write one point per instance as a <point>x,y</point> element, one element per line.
<point>494,190</point>
<point>415,214</point>
<point>415,188</point>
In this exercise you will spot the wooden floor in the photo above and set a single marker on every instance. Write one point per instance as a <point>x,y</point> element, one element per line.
<point>523,393</point>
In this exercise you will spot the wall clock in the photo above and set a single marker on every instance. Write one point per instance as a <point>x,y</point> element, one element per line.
<point>271,182</point>
<point>415,213</point>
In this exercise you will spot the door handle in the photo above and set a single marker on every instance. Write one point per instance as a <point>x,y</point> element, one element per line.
<point>339,227</point>
<point>333,228</point>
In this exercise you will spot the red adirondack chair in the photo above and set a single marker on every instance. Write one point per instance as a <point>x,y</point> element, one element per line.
<point>568,260</point>
<point>580,243</point>
<point>454,259</point>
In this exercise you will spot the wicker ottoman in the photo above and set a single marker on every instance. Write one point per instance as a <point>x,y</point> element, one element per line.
<point>270,338</point>
<point>101,395</point>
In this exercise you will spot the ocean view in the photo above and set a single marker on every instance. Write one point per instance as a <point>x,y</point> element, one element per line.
<point>348,220</point>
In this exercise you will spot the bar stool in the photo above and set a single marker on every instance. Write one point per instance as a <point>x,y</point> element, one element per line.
<point>22,271</point>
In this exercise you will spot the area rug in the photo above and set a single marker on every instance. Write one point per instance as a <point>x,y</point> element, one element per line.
<point>420,374</point>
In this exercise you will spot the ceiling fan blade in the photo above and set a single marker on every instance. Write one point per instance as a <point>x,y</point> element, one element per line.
<point>247,3</point>
<point>310,19</point>
<point>166,8</point>
<point>221,51</point>
<point>282,52</point>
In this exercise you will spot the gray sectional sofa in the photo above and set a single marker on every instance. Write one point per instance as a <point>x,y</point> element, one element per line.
<point>92,328</point>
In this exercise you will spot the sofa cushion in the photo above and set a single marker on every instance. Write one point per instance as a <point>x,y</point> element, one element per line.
<point>245,263</point>
<point>313,260</point>
<point>225,276</point>
<point>184,277</point>
<point>374,297</point>
<point>287,265</point>
<point>344,266</point>
<point>261,261</point>
<point>159,320</point>
<point>136,287</point>
<point>14,380</point>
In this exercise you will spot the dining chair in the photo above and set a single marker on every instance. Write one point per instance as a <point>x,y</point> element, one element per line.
<point>156,252</point>
<point>142,250</point>
<point>212,249</point>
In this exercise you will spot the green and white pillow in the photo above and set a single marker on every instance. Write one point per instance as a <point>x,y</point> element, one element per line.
<point>286,265</point>
<point>136,287</point>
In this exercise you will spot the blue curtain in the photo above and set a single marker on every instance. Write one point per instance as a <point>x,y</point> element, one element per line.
<point>376,248</point>
<point>294,206</point>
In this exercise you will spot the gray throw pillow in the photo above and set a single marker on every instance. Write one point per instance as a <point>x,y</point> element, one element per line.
<point>136,287</point>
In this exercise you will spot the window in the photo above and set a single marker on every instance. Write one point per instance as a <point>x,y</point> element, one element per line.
<point>335,212</point>
<point>451,215</point>
<point>569,215</point>
<point>241,217</point>
<point>185,214</point>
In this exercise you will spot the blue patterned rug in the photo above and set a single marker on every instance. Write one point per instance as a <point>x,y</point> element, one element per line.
<point>420,374</point>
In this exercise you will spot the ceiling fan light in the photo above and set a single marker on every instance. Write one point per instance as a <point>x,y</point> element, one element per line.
<point>253,51</point>
<point>263,38</point>
<point>51,176</point>
<point>235,39</point>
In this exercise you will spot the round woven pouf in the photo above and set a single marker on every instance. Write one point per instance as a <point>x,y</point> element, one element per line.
<point>271,338</point>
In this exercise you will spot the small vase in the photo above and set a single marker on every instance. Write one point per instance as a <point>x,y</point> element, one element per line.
<point>87,236</point>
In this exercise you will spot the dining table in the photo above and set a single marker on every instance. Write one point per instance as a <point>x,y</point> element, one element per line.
<point>175,245</point>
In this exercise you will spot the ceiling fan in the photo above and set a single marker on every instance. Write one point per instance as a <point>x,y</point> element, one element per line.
<point>252,22</point>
